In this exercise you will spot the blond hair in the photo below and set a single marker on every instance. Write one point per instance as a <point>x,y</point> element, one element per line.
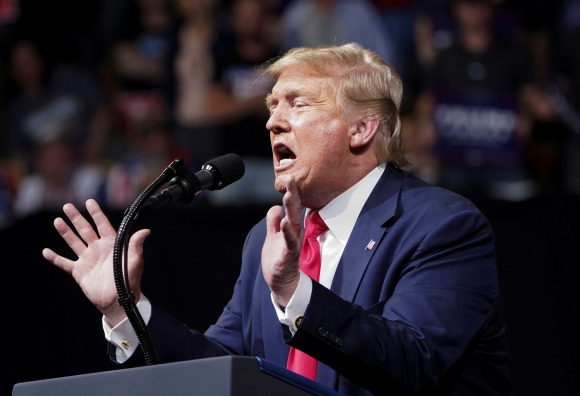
<point>362,81</point>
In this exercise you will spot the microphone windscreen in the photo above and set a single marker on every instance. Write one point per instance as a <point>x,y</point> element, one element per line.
<point>229,168</point>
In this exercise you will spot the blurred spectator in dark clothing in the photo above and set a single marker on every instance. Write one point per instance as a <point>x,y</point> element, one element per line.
<point>310,23</point>
<point>112,21</point>
<point>150,148</point>
<point>57,178</point>
<point>483,97</point>
<point>138,55</point>
<point>428,40</point>
<point>137,58</point>
<point>236,98</point>
<point>47,103</point>
<point>419,139</point>
<point>560,152</point>
<point>6,196</point>
<point>64,30</point>
<point>190,70</point>
<point>9,16</point>
<point>398,19</point>
<point>566,60</point>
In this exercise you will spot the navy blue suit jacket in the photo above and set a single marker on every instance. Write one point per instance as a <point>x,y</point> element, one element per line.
<point>418,310</point>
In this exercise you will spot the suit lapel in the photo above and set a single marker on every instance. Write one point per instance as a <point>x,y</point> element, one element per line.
<point>369,230</point>
<point>380,210</point>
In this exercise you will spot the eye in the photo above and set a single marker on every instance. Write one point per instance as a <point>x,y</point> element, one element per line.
<point>272,106</point>
<point>271,103</point>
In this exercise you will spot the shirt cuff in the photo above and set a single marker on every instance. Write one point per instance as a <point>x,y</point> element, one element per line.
<point>123,335</point>
<point>297,304</point>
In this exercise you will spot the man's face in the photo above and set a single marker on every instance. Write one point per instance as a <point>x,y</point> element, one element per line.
<point>309,138</point>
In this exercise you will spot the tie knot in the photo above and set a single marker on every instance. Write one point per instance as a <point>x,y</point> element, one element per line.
<point>314,225</point>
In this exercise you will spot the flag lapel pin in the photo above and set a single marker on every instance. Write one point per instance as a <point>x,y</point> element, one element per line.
<point>370,245</point>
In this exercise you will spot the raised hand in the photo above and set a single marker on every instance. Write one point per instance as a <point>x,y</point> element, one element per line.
<point>281,250</point>
<point>93,268</point>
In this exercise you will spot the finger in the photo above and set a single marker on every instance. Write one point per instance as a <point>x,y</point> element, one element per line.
<point>291,224</point>
<point>292,205</point>
<point>273,218</point>
<point>70,237</point>
<point>103,224</point>
<point>82,225</point>
<point>61,262</point>
<point>293,239</point>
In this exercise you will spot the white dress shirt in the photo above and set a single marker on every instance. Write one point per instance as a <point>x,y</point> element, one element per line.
<point>339,215</point>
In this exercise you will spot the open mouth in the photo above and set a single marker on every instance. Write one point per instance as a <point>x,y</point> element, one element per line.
<point>285,156</point>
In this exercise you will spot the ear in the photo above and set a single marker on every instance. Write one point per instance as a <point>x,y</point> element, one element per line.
<point>364,131</point>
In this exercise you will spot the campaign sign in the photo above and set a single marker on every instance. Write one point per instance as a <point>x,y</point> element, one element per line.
<point>478,130</point>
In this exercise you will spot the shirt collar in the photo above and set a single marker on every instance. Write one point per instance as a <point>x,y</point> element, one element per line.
<point>341,213</point>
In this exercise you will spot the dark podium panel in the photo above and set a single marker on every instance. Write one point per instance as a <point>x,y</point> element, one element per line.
<point>220,376</point>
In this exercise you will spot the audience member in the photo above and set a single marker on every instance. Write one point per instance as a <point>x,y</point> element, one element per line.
<point>64,30</point>
<point>190,69</point>
<point>150,148</point>
<point>419,138</point>
<point>564,91</point>
<point>137,56</point>
<point>434,30</point>
<point>310,23</point>
<point>48,102</point>
<point>9,16</point>
<point>135,68</point>
<point>398,18</point>
<point>58,177</point>
<point>6,196</point>
<point>481,96</point>
<point>236,99</point>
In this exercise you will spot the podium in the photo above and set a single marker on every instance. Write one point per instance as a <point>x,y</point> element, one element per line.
<point>219,376</point>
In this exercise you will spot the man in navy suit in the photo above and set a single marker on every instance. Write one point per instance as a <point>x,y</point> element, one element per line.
<point>408,298</point>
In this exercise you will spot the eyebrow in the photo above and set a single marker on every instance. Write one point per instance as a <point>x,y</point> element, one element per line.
<point>269,100</point>
<point>300,91</point>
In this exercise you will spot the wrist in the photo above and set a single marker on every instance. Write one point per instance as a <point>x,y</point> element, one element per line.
<point>283,294</point>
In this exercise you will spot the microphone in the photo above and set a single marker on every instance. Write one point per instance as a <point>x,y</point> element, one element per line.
<point>214,175</point>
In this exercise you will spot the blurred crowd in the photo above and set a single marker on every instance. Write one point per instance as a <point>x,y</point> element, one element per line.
<point>97,97</point>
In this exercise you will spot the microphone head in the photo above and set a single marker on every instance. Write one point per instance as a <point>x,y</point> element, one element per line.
<point>225,170</point>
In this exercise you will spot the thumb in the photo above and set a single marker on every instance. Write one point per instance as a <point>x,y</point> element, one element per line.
<point>136,263</point>
<point>137,241</point>
<point>135,252</point>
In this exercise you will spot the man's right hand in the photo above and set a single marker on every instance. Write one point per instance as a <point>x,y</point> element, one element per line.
<point>93,269</point>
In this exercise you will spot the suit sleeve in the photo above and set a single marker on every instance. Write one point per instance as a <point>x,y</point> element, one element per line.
<point>434,301</point>
<point>175,341</point>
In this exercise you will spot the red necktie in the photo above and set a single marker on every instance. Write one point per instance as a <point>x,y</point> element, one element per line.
<point>298,361</point>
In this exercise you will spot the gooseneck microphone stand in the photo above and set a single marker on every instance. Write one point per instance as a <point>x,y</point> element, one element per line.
<point>120,271</point>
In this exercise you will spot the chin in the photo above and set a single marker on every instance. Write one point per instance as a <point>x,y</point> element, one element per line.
<point>280,184</point>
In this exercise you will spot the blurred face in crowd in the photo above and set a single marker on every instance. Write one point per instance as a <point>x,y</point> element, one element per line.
<point>248,18</point>
<point>27,67</point>
<point>473,14</point>
<point>55,162</point>
<point>195,8</point>
<point>309,136</point>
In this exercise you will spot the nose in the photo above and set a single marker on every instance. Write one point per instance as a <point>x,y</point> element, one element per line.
<point>277,122</point>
